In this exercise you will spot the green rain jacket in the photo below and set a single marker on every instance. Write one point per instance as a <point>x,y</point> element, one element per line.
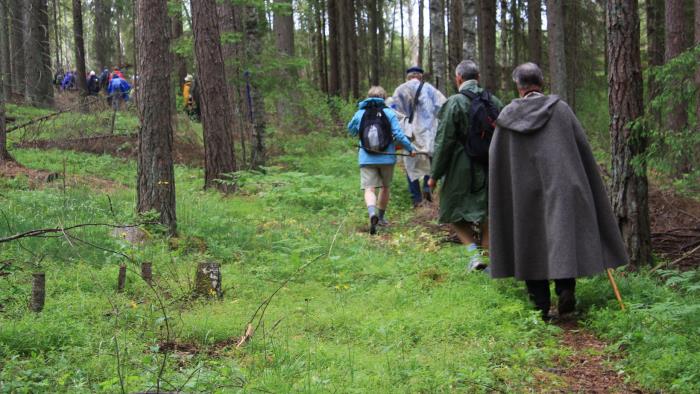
<point>452,166</point>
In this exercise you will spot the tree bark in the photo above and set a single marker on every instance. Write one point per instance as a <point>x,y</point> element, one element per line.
<point>534,31</point>
<point>469,13</point>
<point>4,154</point>
<point>36,303</point>
<point>655,45</point>
<point>180,61</point>
<point>557,50</point>
<point>697,72</point>
<point>156,175</point>
<point>207,280</point>
<point>505,73</point>
<point>254,35</point>
<point>56,34</point>
<point>487,44</point>
<point>320,46</point>
<point>629,187</point>
<point>80,79</point>
<point>284,27</point>
<point>17,46</point>
<point>5,54</point>
<point>121,279</point>
<point>37,54</point>
<point>376,39</point>
<point>421,26</point>
<point>102,40</point>
<point>215,105</point>
<point>437,43</point>
<point>333,48</point>
<point>456,41</point>
<point>147,267</point>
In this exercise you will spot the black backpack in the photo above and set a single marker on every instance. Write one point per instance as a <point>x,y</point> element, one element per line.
<point>375,129</point>
<point>482,123</point>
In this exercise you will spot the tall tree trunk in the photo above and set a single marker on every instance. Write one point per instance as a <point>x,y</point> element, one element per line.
<point>437,43</point>
<point>344,48</point>
<point>5,54</point>
<point>677,41</point>
<point>284,27</point>
<point>333,47</point>
<point>56,35</point>
<point>320,46</point>
<point>17,46</point>
<point>102,40</point>
<point>655,45</point>
<point>376,39</point>
<point>37,53</point>
<point>403,42</point>
<point>254,34</point>
<point>156,176</point>
<point>215,105</point>
<point>351,49</point>
<point>572,42</point>
<point>629,186</point>
<point>421,27</point>
<point>469,13</point>
<point>697,72</point>
<point>505,80</point>
<point>516,35</point>
<point>455,32</point>
<point>534,31</point>
<point>557,50</point>
<point>487,44</point>
<point>80,79</point>
<point>177,31</point>
<point>4,154</point>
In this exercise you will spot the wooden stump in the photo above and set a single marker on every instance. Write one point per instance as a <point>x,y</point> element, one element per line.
<point>146,272</point>
<point>207,280</point>
<point>36,304</point>
<point>121,279</point>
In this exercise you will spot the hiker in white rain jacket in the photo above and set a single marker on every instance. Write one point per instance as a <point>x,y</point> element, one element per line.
<point>419,125</point>
<point>549,213</point>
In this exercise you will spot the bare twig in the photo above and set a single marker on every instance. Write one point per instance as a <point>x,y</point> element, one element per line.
<point>676,261</point>
<point>43,231</point>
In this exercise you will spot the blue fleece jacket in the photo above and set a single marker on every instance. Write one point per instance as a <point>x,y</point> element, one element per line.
<point>365,158</point>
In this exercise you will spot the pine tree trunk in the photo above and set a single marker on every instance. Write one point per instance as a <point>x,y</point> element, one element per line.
<point>572,40</point>
<point>455,32</point>
<point>344,48</point>
<point>253,34</point>
<point>156,175</point>
<point>180,61</point>
<point>534,31</point>
<point>320,46</point>
<point>5,54</point>
<point>56,34</point>
<point>4,154</point>
<point>215,103</point>
<point>37,54</point>
<point>437,43</point>
<point>80,79</point>
<point>284,27</point>
<point>421,26</point>
<point>469,13</point>
<point>333,48</point>
<point>375,38</point>
<point>655,45</point>
<point>403,42</point>
<point>629,186</point>
<point>487,45</point>
<point>102,39</point>
<point>557,50</point>
<point>354,50</point>
<point>505,74</point>
<point>697,72</point>
<point>516,59</point>
<point>17,46</point>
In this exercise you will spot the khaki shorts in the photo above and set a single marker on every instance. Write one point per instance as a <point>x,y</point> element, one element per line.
<point>376,176</point>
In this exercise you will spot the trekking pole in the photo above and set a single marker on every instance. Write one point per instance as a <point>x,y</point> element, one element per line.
<point>615,289</point>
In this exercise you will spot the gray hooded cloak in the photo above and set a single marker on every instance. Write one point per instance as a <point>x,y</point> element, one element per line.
<point>549,213</point>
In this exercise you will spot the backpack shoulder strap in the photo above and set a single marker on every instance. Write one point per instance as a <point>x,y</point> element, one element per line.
<point>415,102</point>
<point>469,94</point>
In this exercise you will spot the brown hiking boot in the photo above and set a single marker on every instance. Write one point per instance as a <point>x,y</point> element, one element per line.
<point>567,302</point>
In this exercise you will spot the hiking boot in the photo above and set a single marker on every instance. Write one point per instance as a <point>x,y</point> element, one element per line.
<point>476,262</point>
<point>382,222</point>
<point>373,221</point>
<point>428,196</point>
<point>567,302</point>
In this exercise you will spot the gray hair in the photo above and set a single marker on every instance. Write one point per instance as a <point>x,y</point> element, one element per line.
<point>377,91</point>
<point>467,69</point>
<point>414,74</point>
<point>528,75</point>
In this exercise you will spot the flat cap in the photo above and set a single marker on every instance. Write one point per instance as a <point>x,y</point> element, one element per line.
<point>415,69</point>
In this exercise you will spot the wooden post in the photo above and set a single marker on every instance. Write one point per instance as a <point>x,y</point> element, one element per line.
<point>36,304</point>
<point>121,279</point>
<point>146,272</point>
<point>207,281</point>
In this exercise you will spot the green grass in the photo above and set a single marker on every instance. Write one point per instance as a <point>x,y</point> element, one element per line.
<point>394,313</point>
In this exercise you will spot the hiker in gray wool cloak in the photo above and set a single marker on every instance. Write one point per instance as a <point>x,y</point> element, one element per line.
<point>550,217</point>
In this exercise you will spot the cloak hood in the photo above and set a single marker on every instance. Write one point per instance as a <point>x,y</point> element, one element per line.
<point>527,115</point>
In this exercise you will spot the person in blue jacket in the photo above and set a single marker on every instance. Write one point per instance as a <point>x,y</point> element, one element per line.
<point>118,90</point>
<point>377,168</point>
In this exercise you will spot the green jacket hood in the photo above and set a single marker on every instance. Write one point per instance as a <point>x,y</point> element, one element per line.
<point>527,115</point>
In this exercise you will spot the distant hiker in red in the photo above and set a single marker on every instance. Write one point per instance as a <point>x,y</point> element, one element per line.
<point>116,72</point>
<point>550,217</point>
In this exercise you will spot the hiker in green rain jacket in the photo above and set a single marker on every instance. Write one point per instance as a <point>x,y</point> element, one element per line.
<point>463,196</point>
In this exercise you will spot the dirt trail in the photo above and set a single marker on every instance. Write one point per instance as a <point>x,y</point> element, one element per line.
<point>38,179</point>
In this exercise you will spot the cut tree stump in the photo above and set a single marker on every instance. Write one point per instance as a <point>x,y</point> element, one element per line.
<point>146,272</point>
<point>207,280</point>
<point>36,304</point>
<point>121,279</point>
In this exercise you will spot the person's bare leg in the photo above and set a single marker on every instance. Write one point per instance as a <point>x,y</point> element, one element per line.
<point>383,198</point>
<point>464,232</point>
<point>370,197</point>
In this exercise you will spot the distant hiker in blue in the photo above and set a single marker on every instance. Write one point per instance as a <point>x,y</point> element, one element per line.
<point>377,127</point>
<point>118,90</point>
<point>68,81</point>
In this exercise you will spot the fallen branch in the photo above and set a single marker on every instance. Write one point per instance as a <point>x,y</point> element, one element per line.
<point>36,120</point>
<point>676,261</point>
<point>62,230</point>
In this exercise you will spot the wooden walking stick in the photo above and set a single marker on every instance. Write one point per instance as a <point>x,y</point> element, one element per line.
<point>614,286</point>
